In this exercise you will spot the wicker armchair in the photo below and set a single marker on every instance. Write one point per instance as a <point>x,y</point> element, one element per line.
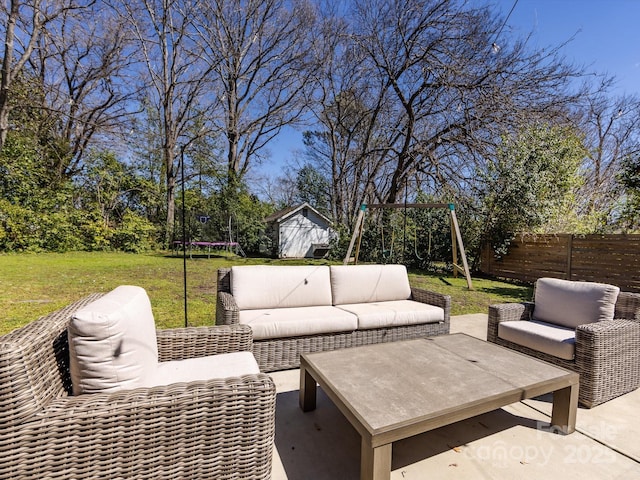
<point>216,429</point>
<point>607,353</point>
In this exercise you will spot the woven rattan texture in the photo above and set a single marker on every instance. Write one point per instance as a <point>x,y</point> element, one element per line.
<point>607,354</point>
<point>284,353</point>
<point>216,429</point>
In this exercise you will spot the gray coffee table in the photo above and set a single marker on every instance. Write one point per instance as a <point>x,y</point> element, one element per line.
<point>392,391</point>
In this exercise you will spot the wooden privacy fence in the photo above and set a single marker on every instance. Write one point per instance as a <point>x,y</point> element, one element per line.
<point>613,259</point>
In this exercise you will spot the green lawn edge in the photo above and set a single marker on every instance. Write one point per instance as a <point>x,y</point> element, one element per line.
<point>32,285</point>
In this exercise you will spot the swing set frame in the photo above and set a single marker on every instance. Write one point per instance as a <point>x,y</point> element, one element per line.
<point>456,238</point>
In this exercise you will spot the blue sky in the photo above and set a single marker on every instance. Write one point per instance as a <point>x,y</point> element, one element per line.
<point>606,40</point>
<point>607,33</point>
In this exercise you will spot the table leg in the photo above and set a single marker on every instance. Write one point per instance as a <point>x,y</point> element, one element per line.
<point>375,463</point>
<point>565,409</point>
<point>307,394</point>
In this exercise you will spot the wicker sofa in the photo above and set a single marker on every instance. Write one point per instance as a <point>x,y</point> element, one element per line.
<point>590,328</point>
<point>218,429</point>
<point>299,309</point>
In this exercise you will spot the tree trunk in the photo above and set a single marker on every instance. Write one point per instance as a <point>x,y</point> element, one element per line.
<point>7,73</point>
<point>171,195</point>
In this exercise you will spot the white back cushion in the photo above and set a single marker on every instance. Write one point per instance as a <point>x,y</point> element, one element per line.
<point>112,342</point>
<point>369,283</point>
<point>570,304</point>
<point>271,286</point>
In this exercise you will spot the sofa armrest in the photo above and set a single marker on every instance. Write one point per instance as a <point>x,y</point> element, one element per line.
<point>607,357</point>
<point>433,298</point>
<point>181,343</point>
<point>148,432</point>
<point>506,312</point>
<point>224,280</point>
<point>227,312</point>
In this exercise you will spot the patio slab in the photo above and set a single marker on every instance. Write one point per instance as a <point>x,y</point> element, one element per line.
<point>511,442</point>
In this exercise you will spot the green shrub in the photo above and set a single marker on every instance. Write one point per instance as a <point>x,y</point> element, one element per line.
<point>19,227</point>
<point>135,234</point>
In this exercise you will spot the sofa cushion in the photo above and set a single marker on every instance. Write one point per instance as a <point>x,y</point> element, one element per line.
<point>297,321</point>
<point>394,313</point>
<point>268,286</point>
<point>225,365</point>
<point>351,284</point>
<point>112,342</point>
<point>543,337</point>
<point>570,304</point>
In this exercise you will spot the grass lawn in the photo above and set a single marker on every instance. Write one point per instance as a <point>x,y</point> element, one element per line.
<point>32,285</point>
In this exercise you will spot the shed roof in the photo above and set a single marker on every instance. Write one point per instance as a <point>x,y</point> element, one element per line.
<point>290,211</point>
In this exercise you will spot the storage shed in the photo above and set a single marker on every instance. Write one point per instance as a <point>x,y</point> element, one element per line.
<point>299,232</point>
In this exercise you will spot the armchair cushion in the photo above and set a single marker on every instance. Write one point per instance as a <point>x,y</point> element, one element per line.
<point>113,346</point>
<point>112,342</point>
<point>226,365</point>
<point>542,337</point>
<point>369,283</point>
<point>569,304</point>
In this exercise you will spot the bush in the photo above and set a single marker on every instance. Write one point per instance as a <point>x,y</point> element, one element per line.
<point>135,234</point>
<point>19,228</point>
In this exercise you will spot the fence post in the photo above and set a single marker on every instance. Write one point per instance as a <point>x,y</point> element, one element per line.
<point>569,256</point>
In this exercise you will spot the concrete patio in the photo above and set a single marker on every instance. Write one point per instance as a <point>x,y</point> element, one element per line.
<point>509,443</point>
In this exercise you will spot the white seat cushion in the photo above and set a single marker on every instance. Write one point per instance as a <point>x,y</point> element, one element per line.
<point>543,337</point>
<point>271,286</point>
<point>351,284</point>
<point>570,304</point>
<point>225,365</point>
<point>394,313</point>
<point>112,342</point>
<point>294,322</point>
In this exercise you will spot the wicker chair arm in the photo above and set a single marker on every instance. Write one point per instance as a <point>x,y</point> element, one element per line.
<point>155,399</point>
<point>181,343</point>
<point>506,312</point>
<point>618,333</point>
<point>607,359</point>
<point>193,430</point>
<point>227,311</point>
<point>628,306</point>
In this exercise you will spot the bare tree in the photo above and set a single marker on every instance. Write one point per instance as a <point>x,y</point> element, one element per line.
<point>612,134</point>
<point>22,23</point>
<point>84,60</point>
<point>257,50</point>
<point>439,92</point>
<point>348,109</point>
<point>175,81</point>
<point>281,191</point>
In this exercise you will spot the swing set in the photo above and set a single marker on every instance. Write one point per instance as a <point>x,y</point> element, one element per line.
<point>456,238</point>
